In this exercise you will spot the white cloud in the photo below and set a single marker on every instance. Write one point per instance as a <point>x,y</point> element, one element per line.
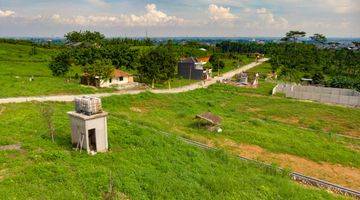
<point>99,3</point>
<point>153,17</point>
<point>7,13</point>
<point>219,13</point>
<point>268,18</point>
<point>84,21</point>
<point>342,6</point>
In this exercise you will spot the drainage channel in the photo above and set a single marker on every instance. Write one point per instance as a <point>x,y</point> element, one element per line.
<point>294,175</point>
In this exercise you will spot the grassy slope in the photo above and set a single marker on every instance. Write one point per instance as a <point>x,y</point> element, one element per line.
<point>143,164</point>
<point>251,117</point>
<point>17,66</point>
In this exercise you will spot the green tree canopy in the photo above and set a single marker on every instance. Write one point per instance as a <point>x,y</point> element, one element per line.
<point>100,68</point>
<point>216,62</point>
<point>158,65</point>
<point>61,64</point>
<point>293,36</point>
<point>320,38</point>
<point>85,36</point>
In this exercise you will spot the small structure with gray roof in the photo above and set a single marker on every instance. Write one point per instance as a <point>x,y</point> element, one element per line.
<point>191,68</point>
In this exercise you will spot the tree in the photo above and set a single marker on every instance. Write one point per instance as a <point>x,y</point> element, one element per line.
<point>122,56</point>
<point>320,38</point>
<point>100,68</point>
<point>60,65</point>
<point>87,36</point>
<point>158,65</point>
<point>216,62</point>
<point>293,36</point>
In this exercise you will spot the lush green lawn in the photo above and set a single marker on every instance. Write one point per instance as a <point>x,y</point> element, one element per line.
<point>142,164</point>
<point>17,66</point>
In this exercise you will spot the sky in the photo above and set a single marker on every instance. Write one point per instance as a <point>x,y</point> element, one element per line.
<point>179,18</point>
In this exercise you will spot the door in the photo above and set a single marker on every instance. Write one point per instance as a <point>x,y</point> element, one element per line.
<point>92,139</point>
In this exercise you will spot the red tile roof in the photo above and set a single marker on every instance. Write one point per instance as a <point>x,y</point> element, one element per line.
<point>119,73</point>
<point>203,59</point>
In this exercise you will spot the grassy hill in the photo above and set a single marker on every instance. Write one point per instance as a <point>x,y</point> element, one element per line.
<point>142,164</point>
<point>17,65</point>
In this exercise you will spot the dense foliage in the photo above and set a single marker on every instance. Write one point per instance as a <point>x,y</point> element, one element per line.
<point>216,62</point>
<point>86,36</point>
<point>158,65</point>
<point>61,64</point>
<point>293,61</point>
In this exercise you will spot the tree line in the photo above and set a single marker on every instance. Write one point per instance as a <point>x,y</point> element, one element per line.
<point>98,56</point>
<point>294,60</point>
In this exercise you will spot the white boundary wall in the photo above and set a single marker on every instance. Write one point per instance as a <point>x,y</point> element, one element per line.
<point>321,94</point>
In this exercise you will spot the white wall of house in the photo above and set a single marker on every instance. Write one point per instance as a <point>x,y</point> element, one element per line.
<point>115,81</point>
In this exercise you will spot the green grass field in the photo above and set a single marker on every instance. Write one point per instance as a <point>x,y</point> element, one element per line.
<point>17,66</point>
<point>142,164</point>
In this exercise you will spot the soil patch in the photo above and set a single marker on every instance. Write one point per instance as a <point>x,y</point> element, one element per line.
<point>10,147</point>
<point>335,173</point>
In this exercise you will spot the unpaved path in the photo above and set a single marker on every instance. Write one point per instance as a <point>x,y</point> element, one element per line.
<point>66,98</point>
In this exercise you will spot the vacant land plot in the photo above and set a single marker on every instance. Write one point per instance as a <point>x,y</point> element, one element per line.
<point>142,164</point>
<point>252,117</point>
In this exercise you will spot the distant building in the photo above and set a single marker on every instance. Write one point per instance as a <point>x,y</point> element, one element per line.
<point>192,68</point>
<point>118,78</point>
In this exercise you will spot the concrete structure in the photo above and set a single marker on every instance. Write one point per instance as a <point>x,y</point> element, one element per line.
<point>89,132</point>
<point>243,78</point>
<point>321,94</point>
<point>191,68</point>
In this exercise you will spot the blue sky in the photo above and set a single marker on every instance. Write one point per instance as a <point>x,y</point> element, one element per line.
<point>180,17</point>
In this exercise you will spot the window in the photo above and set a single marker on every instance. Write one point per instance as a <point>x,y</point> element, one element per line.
<point>121,78</point>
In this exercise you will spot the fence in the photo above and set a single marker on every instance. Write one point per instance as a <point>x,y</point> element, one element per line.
<point>321,94</point>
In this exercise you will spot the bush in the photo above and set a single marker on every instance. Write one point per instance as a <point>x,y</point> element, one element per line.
<point>345,82</point>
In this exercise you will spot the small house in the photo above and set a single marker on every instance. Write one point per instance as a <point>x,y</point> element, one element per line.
<point>192,68</point>
<point>117,78</point>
